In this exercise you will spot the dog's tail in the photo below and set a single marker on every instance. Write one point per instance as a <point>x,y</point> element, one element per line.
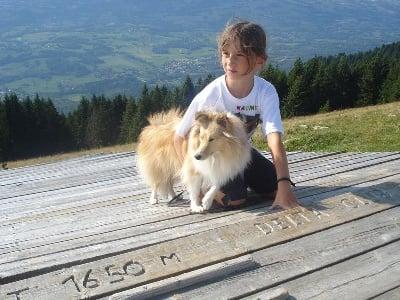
<point>164,117</point>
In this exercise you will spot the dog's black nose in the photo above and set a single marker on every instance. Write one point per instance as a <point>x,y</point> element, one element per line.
<point>197,156</point>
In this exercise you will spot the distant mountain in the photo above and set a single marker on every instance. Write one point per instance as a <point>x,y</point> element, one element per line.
<point>67,49</point>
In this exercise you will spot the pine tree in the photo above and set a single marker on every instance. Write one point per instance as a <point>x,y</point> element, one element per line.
<point>296,71</point>
<point>373,73</point>
<point>319,95</point>
<point>313,86</point>
<point>278,78</point>
<point>157,100</point>
<point>164,94</point>
<point>202,83</point>
<point>143,110</point>
<point>294,103</point>
<point>346,86</point>
<point>16,125</point>
<point>117,109</point>
<point>4,134</point>
<point>126,132</point>
<point>391,87</point>
<point>188,91</point>
<point>78,121</point>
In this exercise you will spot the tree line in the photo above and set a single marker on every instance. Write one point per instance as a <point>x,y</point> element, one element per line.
<point>325,84</point>
<point>33,127</point>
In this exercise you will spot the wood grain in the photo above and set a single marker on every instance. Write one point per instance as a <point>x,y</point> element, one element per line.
<point>83,228</point>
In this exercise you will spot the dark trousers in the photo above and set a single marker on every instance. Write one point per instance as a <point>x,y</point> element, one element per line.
<point>259,176</point>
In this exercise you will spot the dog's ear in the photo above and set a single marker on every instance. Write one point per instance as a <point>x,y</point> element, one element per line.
<point>223,121</point>
<point>202,117</point>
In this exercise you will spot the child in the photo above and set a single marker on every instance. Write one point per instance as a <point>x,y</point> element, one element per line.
<point>242,50</point>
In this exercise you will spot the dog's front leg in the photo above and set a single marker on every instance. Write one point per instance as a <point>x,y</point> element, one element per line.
<point>194,189</point>
<point>153,197</point>
<point>209,197</point>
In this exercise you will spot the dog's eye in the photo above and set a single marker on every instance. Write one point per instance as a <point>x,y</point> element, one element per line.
<point>210,139</point>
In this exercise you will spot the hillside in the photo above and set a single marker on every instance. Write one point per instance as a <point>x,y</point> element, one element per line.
<point>366,129</point>
<point>68,49</point>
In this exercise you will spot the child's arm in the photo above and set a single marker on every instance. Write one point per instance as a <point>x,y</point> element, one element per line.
<point>285,197</point>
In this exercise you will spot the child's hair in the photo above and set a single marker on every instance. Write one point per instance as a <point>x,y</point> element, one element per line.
<point>251,37</point>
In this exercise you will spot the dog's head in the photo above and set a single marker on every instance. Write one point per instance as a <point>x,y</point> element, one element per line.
<point>213,132</point>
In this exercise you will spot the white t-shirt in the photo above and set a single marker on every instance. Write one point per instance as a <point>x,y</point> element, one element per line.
<point>262,103</point>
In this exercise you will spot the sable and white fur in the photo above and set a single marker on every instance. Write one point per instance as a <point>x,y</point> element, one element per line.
<point>216,150</point>
<point>157,160</point>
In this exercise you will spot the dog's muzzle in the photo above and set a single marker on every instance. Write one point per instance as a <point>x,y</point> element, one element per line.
<point>198,156</point>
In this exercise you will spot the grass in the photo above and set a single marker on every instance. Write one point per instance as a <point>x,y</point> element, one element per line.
<point>62,156</point>
<point>367,129</point>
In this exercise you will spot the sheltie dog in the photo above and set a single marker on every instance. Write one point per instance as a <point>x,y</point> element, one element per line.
<point>215,151</point>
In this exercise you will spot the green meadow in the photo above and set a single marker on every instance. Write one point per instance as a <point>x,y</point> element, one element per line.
<point>366,129</point>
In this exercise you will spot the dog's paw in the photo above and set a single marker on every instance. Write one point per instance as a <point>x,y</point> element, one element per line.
<point>153,197</point>
<point>207,203</point>
<point>196,208</point>
<point>153,201</point>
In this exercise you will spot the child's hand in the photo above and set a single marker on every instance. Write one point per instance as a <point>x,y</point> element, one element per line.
<point>285,197</point>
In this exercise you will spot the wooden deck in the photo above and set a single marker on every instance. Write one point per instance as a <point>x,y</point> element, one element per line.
<point>83,228</point>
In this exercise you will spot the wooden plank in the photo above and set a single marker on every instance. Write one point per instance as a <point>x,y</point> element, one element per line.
<point>85,164</point>
<point>69,197</point>
<point>93,245</point>
<point>359,173</point>
<point>61,174</point>
<point>273,294</point>
<point>391,294</point>
<point>112,240</point>
<point>169,284</point>
<point>105,275</point>
<point>345,164</point>
<point>299,258</point>
<point>103,192</point>
<point>65,175</point>
<point>61,240</point>
<point>68,193</point>
<point>43,184</point>
<point>361,277</point>
<point>54,242</point>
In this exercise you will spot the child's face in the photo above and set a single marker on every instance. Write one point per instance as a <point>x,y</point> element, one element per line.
<point>235,62</point>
